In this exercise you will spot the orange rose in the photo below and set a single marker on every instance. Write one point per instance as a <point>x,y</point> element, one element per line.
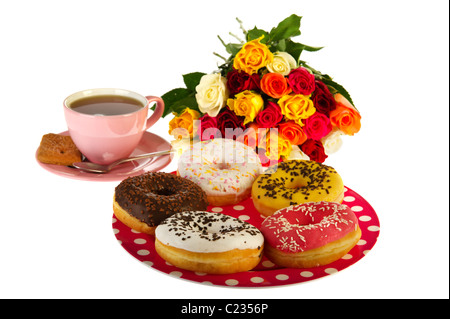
<point>345,116</point>
<point>183,124</point>
<point>275,85</point>
<point>253,56</point>
<point>253,135</point>
<point>292,132</point>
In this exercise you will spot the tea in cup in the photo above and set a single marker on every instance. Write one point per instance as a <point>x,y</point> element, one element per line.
<point>107,124</point>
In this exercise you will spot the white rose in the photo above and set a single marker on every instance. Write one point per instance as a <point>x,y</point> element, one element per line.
<point>212,94</point>
<point>332,142</point>
<point>282,63</point>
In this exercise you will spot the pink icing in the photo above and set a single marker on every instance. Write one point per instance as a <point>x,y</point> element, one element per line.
<point>308,226</point>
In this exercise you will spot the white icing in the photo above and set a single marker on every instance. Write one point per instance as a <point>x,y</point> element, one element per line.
<point>220,166</point>
<point>207,232</point>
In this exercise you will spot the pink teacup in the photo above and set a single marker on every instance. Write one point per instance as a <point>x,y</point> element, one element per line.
<point>107,124</point>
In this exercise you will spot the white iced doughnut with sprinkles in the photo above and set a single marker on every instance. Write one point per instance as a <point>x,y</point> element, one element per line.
<point>212,243</point>
<point>224,168</point>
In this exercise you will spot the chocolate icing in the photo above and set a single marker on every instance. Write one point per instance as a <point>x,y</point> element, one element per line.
<point>152,197</point>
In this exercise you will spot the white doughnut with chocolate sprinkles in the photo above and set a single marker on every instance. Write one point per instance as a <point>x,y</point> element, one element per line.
<point>207,242</point>
<point>143,202</point>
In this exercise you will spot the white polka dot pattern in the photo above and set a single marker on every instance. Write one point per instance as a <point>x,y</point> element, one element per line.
<point>141,246</point>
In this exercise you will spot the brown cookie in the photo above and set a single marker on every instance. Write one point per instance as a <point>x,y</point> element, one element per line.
<point>58,149</point>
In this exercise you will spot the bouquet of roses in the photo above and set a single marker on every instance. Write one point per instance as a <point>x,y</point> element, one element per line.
<point>265,96</point>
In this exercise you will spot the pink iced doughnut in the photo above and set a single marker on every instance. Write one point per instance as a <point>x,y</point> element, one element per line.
<point>310,234</point>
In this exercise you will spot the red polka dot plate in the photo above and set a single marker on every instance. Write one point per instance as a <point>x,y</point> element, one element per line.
<point>266,274</point>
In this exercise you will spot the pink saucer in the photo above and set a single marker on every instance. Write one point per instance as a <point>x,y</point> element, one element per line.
<point>149,143</point>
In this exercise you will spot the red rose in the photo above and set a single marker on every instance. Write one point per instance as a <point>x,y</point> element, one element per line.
<point>227,121</point>
<point>314,149</point>
<point>270,116</point>
<point>238,81</point>
<point>322,98</point>
<point>253,83</point>
<point>301,81</point>
<point>209,124</point>
<point>317,126</point>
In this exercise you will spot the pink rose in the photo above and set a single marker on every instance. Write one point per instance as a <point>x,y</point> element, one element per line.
<point>301,81</point>
<point>317,126</point>
<point>270,116</point>
<point>209,124</point>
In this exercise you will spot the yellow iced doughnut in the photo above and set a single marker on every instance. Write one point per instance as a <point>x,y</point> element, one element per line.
<point>296,182</point>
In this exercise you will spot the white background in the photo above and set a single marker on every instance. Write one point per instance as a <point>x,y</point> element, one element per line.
<point>56,238</point>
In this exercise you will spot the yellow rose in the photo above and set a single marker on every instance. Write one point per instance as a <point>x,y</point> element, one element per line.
<point>253,56</point>
<point>277,145</point>
<point>246,104</point>
<point>296,107</point>
<point>183,125</point>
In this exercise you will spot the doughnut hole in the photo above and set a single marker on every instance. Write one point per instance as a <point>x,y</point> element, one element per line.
<point>306,219</point>
<point>165,191</point>
<point>222,166</point>
<point>296,183</point>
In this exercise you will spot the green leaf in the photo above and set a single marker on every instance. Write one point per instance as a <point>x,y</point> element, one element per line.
<point>172,97</point>
<point>279,46</point>
<point>233,48</point>
<point>311,49</point>
<point>192,79</point>
<point>289,27</point>
<point>337,87</point>
<point>188,101</point>
<point>317,73</point>
<point>295,49</point>
<point>256,33</point>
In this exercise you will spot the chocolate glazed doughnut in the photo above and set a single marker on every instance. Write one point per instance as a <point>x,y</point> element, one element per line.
<point>143,202</point>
